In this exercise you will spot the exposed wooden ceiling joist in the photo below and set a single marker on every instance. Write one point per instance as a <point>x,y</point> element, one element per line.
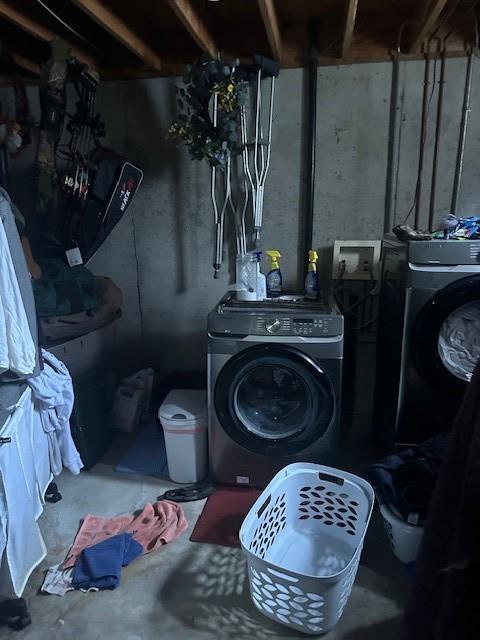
<point>121,31</point>
<point>26,64</point>
<point>349,26</point>
<point>192,22</point>
<point>352,31</point>
<point>40,32</point>
<point>272,27</point>
<point>428,13</point>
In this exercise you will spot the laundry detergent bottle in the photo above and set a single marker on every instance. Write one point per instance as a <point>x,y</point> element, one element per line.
<point>311,279</point>
<point>274,276</point>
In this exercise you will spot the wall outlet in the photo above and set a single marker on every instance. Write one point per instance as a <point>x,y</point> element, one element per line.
<point>356,259</point>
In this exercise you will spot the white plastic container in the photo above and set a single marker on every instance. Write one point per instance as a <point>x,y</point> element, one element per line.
<point>405,538</point>
<point>303,539</point>
<point>127,408</point>
<point>183,415</point>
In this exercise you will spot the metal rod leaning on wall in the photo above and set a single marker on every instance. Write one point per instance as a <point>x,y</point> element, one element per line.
<point>463,130</point>
<point>313,29</point>
<point>392,136</point>
<point>423,136</point>
<point>438,125</point>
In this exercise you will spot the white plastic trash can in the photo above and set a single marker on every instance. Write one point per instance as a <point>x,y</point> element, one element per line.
<point>183,415</point>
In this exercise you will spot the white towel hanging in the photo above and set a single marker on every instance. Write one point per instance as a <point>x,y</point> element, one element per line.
<point>17,350</point>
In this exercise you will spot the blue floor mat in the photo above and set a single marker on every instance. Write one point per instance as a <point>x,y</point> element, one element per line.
<point>147,455</point>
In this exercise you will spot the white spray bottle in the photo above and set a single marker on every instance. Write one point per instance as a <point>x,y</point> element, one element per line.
<point>261,279</point>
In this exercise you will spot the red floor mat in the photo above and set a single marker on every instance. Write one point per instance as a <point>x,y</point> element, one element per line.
<point>222,516</point>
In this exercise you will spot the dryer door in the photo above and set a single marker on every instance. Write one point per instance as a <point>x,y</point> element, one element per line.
<point>274,400</point>
<point>446,335</point>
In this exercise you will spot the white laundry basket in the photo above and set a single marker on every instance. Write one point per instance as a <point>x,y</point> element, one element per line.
<point>303,538</point>
<point>405,538</point>
<point>183,415</point>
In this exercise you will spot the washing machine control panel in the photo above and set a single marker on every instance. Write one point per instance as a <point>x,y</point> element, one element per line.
<point>307,327</point>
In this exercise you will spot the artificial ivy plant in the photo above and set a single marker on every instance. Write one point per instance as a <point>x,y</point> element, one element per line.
<point>195,125</point>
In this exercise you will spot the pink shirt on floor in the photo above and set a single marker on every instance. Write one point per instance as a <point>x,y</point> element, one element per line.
<point>156,525</point>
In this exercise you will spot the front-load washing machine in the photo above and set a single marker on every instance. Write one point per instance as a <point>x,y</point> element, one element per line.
<point>274,386</point>
<point>429,336</point>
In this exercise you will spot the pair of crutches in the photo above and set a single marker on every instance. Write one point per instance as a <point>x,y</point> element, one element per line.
<point>255,164</point>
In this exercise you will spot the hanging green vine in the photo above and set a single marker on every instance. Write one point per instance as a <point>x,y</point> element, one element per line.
<point>194,125</point>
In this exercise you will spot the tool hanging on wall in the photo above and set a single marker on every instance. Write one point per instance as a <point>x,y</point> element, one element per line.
<point>83,198</point>
<point>85,128</point>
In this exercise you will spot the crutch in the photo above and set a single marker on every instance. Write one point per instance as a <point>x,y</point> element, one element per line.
<point>217,216</point>
<point>261,152</point>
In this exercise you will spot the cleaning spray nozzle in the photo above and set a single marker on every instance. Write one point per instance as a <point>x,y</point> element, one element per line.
<point>312,256</point>
<point>274,255</point>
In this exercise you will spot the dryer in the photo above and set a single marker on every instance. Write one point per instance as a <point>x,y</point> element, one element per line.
<point>274,386</point>
<point>429,335</point>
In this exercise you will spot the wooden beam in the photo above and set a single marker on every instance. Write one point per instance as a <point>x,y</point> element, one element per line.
<point>349,26</point>
<point>26,64</point>
<point>120,30</point>
<point>272,27</point>
<point>428,14</point>
<point>195,26</point>
<point>40,32</point>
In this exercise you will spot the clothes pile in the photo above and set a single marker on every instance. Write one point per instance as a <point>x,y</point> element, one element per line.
<point>104,545</point>
<point>456,228</point>
<point>405,482</point>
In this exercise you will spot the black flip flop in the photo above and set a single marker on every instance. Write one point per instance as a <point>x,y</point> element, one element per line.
<point>52,494</point>
<point>14,614</point>
<point>189,493</point>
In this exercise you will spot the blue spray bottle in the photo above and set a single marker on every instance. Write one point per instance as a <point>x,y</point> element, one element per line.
<point>274,276</point>
<point>311,279</point>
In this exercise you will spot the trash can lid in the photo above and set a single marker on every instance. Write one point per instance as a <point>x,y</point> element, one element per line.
<point>184,404</point>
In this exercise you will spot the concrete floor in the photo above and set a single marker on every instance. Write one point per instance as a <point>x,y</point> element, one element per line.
<point>186,591</point>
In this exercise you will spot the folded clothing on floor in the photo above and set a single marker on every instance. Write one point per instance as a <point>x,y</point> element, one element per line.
<point>406,481</point>
<point>57,581</point>
<point>156,525</point>
<point>100,566</point>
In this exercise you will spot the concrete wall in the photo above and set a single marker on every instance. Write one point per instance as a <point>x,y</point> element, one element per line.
<point>161,252</point>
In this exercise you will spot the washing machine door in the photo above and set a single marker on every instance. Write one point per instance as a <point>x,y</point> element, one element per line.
<point>446,335</point>
<point>274,400</point>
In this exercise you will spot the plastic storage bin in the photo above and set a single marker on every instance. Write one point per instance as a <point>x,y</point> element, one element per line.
<point>405,538</point>
<point>303,538</point>
<point>183,415</point>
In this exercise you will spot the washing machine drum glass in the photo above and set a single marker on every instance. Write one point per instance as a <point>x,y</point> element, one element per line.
<point>446,336</point>
<point>274,400</point>
<point>459,341</point>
